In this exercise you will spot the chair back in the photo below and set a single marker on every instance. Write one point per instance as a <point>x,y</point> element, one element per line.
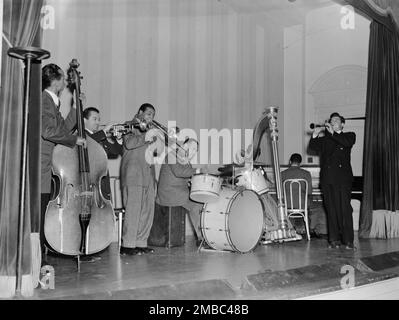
<point>295,195</point>
<point>116,193</point>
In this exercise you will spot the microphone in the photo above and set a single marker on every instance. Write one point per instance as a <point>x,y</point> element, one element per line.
<point>312,126</point>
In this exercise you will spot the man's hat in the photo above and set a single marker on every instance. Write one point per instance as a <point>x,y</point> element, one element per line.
<point>336,114</point>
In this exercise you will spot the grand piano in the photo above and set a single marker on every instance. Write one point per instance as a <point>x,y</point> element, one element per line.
<point>357,186</point>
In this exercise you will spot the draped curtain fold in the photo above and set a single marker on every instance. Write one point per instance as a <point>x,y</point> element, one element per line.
<point>378,10</point>
<point>387,7</point>
<point>21,20</point>
<point>380,208</point>
<point>379,213</point>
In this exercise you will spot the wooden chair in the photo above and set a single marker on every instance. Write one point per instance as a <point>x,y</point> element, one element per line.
<point>116,199</point>
<point>296,205</point>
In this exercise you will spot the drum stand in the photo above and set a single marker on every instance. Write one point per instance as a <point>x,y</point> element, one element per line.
<point>283,233</point>
<point>202,249</point>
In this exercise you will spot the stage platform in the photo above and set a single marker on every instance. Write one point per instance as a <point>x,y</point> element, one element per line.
<point>276,271</point>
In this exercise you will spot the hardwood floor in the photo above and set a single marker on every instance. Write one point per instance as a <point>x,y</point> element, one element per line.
<point>168,273</point>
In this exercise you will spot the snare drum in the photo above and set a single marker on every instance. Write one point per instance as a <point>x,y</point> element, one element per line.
<point>253,180</point>
<point>235,222</point>
<point>205,188</point>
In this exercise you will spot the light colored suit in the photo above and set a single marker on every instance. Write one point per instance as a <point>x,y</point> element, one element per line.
<point>173,188</point>
<point>138,190</point>
<point>135,170</point>
<point>173,191</point>
<point>54,130</point>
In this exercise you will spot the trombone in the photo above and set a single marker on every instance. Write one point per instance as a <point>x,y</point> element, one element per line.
<point>171,134</point>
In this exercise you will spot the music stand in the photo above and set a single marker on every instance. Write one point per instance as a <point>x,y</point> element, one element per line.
<point>28,55</point>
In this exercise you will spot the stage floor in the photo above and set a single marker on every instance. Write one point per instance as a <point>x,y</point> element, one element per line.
<point>275,271</point>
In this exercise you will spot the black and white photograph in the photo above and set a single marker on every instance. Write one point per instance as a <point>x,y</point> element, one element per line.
<point>199,158</point>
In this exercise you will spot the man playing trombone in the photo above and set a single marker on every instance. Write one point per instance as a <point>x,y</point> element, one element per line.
<point>138,184</point>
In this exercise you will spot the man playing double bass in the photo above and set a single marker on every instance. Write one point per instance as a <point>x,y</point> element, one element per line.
<point>54,130</point>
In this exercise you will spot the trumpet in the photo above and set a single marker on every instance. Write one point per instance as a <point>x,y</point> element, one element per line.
<point>123,128</point>
<point>313,125</point>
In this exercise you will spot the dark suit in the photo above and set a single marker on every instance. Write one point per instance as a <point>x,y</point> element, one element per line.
<point>336,179</point>
<point>295,172</point>
<point>54,130</point>
<point>113,150</point>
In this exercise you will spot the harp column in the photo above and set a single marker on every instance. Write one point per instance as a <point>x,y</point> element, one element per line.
<point>283,232</point>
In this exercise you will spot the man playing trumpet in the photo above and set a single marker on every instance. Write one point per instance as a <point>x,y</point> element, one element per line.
<point>112,145</point>
<point>336,178</point>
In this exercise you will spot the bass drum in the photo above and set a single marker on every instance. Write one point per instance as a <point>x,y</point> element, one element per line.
<point>235,222</point>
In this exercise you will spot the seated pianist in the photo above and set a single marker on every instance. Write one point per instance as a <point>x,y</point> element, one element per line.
<point>316,212</point>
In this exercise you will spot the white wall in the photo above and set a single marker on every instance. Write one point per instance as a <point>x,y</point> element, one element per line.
<point>200,63</point>
<point>325,70</point>
<point>311,51</point>
<point>294,115</point>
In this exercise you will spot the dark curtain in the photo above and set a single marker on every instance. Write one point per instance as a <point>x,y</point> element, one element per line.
<point>381,157</point>
<point>378,212</point>
<point>21,20</point>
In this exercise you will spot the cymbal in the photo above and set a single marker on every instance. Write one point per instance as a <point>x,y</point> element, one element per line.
<point>226,174</point>
<point>259,164</point>
<point>229,167</point>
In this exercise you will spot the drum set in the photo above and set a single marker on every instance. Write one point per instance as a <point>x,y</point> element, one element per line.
<point>233,216</point>
<point>238,212</point>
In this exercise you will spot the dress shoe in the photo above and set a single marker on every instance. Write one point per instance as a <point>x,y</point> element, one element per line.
<point>350,246</point>
<point>146,250</point>
<point>130,251</point>
<point>333,245</point>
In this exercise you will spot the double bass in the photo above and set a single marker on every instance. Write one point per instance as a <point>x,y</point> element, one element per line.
<point>79,220</point>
